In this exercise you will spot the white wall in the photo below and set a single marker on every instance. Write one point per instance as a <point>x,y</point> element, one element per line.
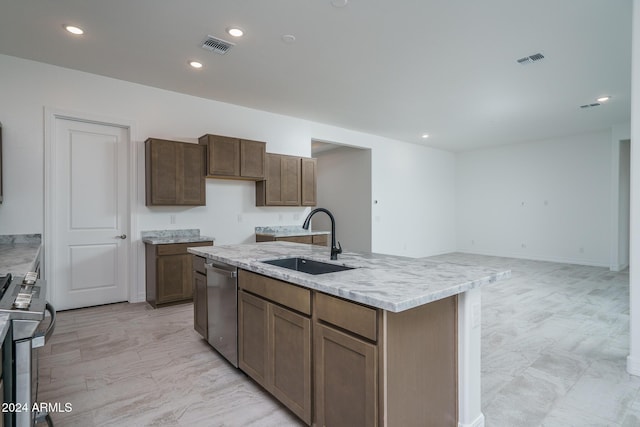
<point>399,170</point>
<point>547,200</point>
<point>344,187</point>
<point>633,360</point>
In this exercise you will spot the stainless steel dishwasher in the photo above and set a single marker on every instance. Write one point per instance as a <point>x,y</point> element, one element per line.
<point>222,309</point>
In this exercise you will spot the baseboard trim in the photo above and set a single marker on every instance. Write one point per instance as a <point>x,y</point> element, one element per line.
<point>534,257</point>
<point>633,366</point>
<point>478,422</point>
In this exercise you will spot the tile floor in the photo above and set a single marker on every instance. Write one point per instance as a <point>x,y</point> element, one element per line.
<point>555,341</point>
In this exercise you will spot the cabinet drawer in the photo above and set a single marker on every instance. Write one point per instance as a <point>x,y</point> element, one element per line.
<point>320,239</point>
<point>198,264</point>
<point>353,317</point>
<point>296,239</point>
<point>291,296</point>
<point>179,248</point>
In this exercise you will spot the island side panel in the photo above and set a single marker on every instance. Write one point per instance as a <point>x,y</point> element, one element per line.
<point>421,364</point>
<point>469,335</point>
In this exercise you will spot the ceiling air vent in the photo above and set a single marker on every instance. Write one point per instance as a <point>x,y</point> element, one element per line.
<point>216,45</point>
<point>530,59</point>
<point>595,104</point>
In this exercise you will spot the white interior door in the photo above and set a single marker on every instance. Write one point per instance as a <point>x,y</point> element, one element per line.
<point>90,209</point>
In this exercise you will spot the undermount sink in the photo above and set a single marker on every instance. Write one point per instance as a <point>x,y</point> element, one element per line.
<point>308,266</point>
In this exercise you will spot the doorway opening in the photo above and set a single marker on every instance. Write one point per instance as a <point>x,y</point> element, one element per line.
<point>344,187</point>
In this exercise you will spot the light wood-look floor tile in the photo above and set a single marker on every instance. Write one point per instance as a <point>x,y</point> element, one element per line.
<point>554,342</point>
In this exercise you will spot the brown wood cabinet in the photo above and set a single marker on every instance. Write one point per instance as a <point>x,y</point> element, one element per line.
<point>413,381</point>
<point>200,296</point>
<point>169,273</point>
<point>346,384</point>
<point>309,182</point>
<point>274,339</point>
<point>174,173</point>
<point>370,367</point>
<point>289,181</point>
<point>314,239</point>
<point>234,158</point>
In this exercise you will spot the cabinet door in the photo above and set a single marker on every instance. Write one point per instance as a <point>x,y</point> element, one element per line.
<point>252,159</point>
<point>345,379</point>
<point>223,155</point>
<point>273,182</point>
<point>161,175</point>
<point>191,186</point>
<point>200,304</point>
<point>309,182</point>
<point>173,278</point>
<point>253,337</point>
<point>290,363</point>
<point>174,173</point>
<point>290,178</point>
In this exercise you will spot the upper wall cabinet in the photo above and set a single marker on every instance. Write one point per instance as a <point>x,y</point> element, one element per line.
<point>234,158</point>
<point>289,181</point>
<point>308,195</point>
<point>174,173</point>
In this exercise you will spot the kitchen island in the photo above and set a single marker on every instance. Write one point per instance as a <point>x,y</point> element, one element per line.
<point>393,341</point>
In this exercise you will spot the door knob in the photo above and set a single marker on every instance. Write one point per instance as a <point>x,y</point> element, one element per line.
<point>122,236</point>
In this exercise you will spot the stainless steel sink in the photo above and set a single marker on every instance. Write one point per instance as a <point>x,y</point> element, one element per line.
<point>307,265</point>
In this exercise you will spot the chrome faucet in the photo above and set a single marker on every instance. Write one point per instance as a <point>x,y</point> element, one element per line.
<point>334,250</point>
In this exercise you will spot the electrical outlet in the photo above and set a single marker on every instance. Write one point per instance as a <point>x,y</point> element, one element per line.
<point>172,219</point>
<point>239,217</point>
<point>296,216</point>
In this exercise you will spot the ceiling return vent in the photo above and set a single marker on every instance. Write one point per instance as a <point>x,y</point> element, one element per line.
<point>530,59</point>
<point>216,45</point>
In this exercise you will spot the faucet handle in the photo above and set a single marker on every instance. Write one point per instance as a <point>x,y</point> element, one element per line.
<point>335,251</point>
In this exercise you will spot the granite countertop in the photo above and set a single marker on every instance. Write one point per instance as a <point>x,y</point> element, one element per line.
<point>165,237</point>
<point>388,282</point>
<point>288,231</point>
<point>19,253</point>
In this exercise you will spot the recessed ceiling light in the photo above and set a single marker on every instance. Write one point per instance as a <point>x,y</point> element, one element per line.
<point>603,99</point>
<point>235,32</point>
<point>339,3</point>
<point>289,38</point>
<point>425,135</point>
<point>195,64</point>
<point>74,30</point>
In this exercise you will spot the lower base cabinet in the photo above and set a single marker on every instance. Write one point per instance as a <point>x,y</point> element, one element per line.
<point>274,341</point>
<point>313,239</point>
<point>346,379</point>
<point>370,367</point>
<point>169,270</point>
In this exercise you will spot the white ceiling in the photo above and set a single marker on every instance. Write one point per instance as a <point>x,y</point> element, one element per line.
<point>391,68</point>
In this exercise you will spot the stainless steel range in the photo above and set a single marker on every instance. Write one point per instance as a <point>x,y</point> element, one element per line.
<point>24,299</point>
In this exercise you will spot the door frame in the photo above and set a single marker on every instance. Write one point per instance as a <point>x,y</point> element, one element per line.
<point>51,114</point>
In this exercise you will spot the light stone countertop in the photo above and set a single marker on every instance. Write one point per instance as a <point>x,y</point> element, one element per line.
<point>388,282</point>
<point>166,237</point>
<point>288,231</point>
<point>19,253</point>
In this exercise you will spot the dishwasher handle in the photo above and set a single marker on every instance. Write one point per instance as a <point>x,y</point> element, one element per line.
<point>221,271</point>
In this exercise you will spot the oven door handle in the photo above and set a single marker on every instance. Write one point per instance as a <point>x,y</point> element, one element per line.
<point>41,338</point>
